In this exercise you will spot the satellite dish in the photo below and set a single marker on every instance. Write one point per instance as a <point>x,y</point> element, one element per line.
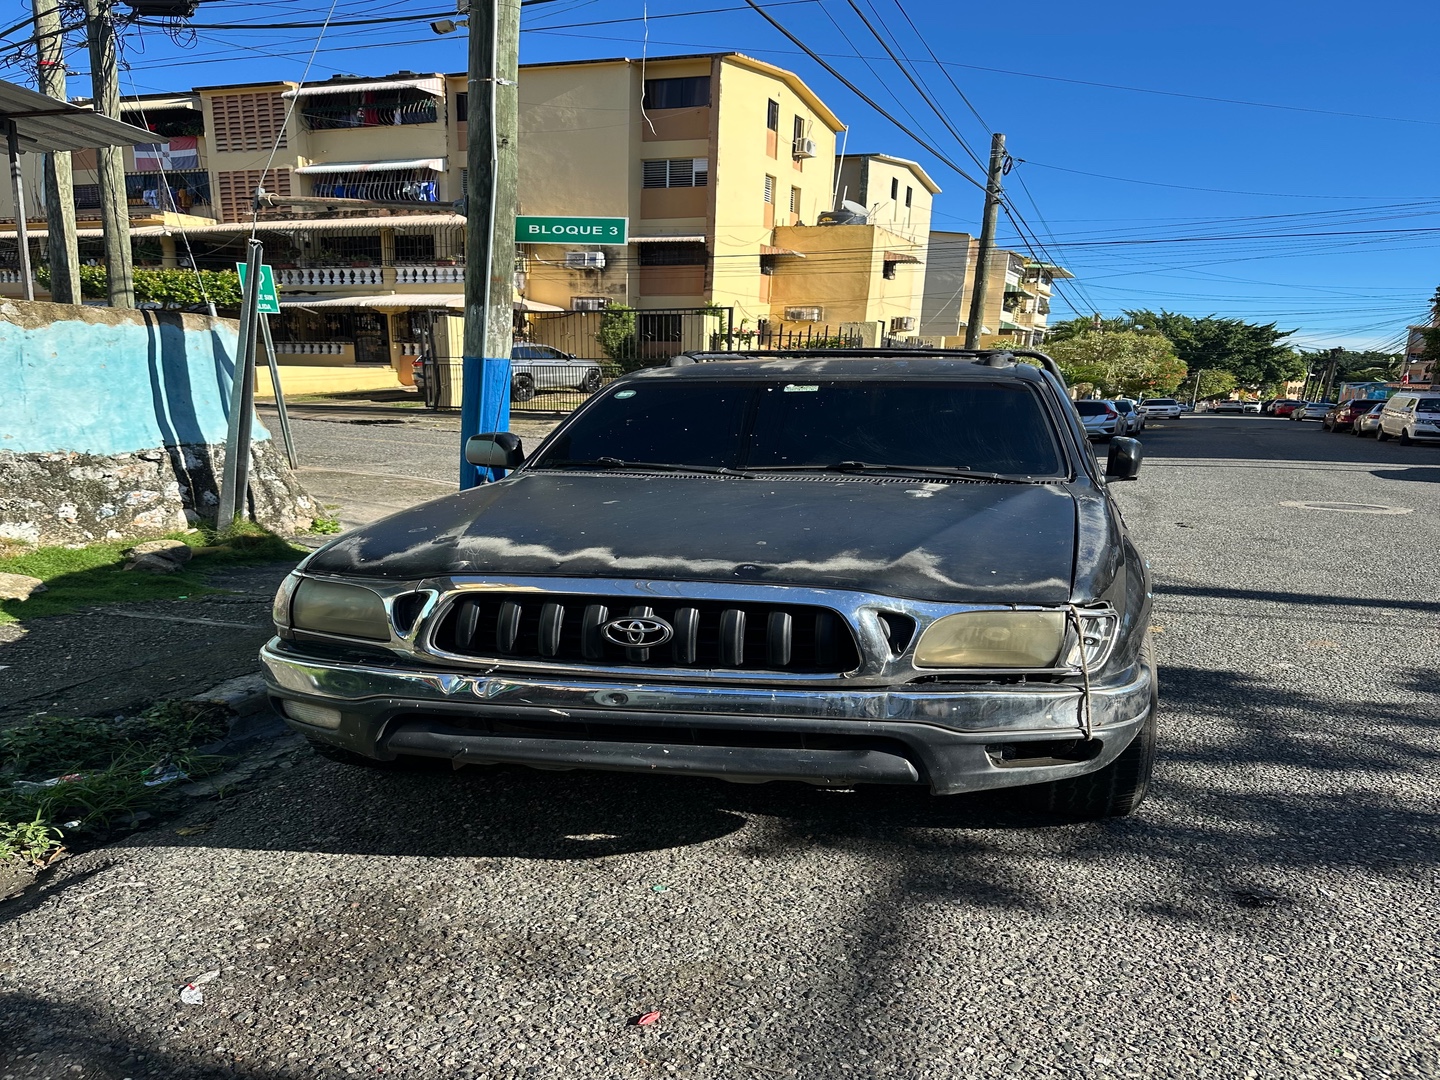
<point>855,208</point>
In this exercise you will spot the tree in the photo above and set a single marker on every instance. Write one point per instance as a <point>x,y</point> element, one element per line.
<point>1352,366</point>
<point>1254,353</point>
<point>616,336</point>
<point>1083,324</point>
<point>1213,384</point>
<point>1119,363</point>
<point>1430,354</point>
<point>171,288</point>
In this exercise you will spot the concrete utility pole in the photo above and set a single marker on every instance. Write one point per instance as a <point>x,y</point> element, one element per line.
<point>114,208</point>
<point>17,187</point>
<point>493,105</point>
<point>987,241</point>
<point>59,186</point>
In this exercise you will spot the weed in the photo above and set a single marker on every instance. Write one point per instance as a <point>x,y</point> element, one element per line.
<point>325,526</point>
<point>80,577</point>
<point>96,772</point>
<point>32,842</point>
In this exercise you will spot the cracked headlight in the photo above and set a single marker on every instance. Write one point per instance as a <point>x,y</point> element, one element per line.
<point>993,639</point>
<point>328,607</point>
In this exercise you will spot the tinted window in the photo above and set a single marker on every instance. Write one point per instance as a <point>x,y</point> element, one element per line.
<point>1428,404</point>
<point>683,93</point>
<point>688,424</point>
<point>986,427</point>
<point>1158,401</point>
<point>1091,408</point>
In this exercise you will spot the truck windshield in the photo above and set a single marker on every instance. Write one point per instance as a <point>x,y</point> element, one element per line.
<point>977,426</point>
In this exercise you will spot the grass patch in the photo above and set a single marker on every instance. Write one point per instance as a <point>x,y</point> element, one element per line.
<point>88,775</point>
<point>95,574</point>
<point>325,526</point>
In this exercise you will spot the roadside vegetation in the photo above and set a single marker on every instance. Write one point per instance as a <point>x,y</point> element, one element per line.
<point>79,779</point>
<point>95,574</point>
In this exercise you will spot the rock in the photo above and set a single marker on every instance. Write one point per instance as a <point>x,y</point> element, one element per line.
<point>152,564</point>
<point>19,587</point>
<point>177,551</point>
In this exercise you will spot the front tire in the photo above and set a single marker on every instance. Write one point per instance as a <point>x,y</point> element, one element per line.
<point>522,388</point>
<point>1118,789</point>
<point>1405,439</point>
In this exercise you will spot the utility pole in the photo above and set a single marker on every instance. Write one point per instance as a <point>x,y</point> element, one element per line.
<point>114,209</point>
<point>493,106</point>
<point>1330,374</point>
<point>987,241</point>
<point>59,186</point>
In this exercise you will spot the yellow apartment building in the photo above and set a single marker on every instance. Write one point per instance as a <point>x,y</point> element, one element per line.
<point>724,166</point>
<point>1017,296</point>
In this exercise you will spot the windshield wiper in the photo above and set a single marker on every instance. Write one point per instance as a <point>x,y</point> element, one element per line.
<point>953,472</point>
<point>657,466</point>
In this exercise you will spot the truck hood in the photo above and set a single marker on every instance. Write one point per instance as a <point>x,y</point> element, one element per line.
<point>950,542</point>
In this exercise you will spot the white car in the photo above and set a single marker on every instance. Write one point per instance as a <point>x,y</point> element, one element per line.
<point>1410,415</point>
<point>1160,408</point>
<point>1130,412</point>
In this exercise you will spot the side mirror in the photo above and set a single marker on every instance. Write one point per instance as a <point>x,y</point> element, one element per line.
<point>1124,460</point>
<point>497,450</point>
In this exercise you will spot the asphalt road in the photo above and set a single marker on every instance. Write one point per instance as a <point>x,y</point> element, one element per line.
<point>1270,912</point>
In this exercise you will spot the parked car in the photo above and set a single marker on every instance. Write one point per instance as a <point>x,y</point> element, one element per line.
<point>1101,419</point>
<point>1343,415</point>
<point>1285,406</point>
<point>1134,418</point>
<point>604,605</point>
<point>1368,423</point>
<point>1161,408</point>
<point>1236,405</point>
<point>1410,415</point>
<point>533,368</point>
<point>1312,410</point>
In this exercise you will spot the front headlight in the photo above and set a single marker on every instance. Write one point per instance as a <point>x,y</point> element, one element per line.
<point>280,608</point>
<point>328,607</point>
<point>993,639</point>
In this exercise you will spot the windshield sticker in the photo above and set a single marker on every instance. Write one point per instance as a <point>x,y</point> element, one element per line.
<point>625,394</point>
<point>797,388</point>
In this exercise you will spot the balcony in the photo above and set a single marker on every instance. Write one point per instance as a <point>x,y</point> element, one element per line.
<point>366,277</point>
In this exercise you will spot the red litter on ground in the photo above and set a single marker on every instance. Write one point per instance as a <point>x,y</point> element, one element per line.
<point>646,1020</point>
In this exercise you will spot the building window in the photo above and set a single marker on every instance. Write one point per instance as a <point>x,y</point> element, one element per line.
<point>675,172</point>
<point>772,115</point>
<point>795,200</point>
<point>414,248</point>
<point>369,108</point>
<point>337,250</point>
<point>462,108</point>
<point>894,190</point>
<point>888,271</point>
<point>246,123</point>
<point>799,129</point>
<point>909,195</point>
<point>588,303</point>
<point>391,185</point>
<point>688,93</point>
<point>769,189</point>
<point>87,196</point>
<point>687,254</point>
<point>768,264</point>
<point>168,191</point>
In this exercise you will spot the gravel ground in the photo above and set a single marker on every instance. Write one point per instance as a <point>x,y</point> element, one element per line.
<point>1269,913</point>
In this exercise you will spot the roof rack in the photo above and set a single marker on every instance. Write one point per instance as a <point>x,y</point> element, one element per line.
<point>989,357</point>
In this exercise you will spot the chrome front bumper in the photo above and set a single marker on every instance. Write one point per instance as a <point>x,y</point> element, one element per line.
<point>950,738</point>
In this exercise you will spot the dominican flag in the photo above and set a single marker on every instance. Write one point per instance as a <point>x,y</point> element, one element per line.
<point>181,152</point>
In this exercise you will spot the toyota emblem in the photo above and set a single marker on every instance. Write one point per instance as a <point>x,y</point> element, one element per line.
<point>638,631</point>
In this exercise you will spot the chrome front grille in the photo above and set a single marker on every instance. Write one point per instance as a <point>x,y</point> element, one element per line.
<point>561,628</point>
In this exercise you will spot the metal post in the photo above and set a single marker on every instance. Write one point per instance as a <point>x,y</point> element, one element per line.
<point>235,477</point>
<point>987,242</point>
<point>1195,397</point>
<point>490,224</point>
<point>59,188</point>
<point>114,208</point>
<point>17,186</point>
<point>280,409</point>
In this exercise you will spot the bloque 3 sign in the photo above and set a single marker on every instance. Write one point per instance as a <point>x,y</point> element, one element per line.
<point>572,230</point>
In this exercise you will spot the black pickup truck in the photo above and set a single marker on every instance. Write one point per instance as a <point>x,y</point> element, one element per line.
<point>839,568</point>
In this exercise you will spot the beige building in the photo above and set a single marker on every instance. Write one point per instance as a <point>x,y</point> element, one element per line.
<point>722,164</point>
<point>1017,301</point>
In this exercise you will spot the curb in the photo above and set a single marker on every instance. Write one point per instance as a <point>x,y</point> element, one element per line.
<point>252,719</point>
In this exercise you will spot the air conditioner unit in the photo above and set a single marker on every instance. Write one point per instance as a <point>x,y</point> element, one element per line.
<point>804,314</point>
<point>804,148</point>
<point>904,323</point>
<point>588,303</point>
<point>585,260</point>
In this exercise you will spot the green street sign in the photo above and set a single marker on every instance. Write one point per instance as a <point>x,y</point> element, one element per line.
<point>571,230</point>
<point>269,296</point>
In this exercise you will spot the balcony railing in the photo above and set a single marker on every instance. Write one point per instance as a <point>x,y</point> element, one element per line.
<point>321,276</point>
<point>429,275</point>
<point>311,348</point>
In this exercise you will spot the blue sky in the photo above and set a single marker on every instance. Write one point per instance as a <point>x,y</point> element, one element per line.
<point>1275,161</point>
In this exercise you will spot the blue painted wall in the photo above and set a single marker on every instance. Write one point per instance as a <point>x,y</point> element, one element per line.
<point>101,381</point>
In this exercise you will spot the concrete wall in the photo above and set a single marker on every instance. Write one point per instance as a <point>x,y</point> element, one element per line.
<point>113,423</point>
